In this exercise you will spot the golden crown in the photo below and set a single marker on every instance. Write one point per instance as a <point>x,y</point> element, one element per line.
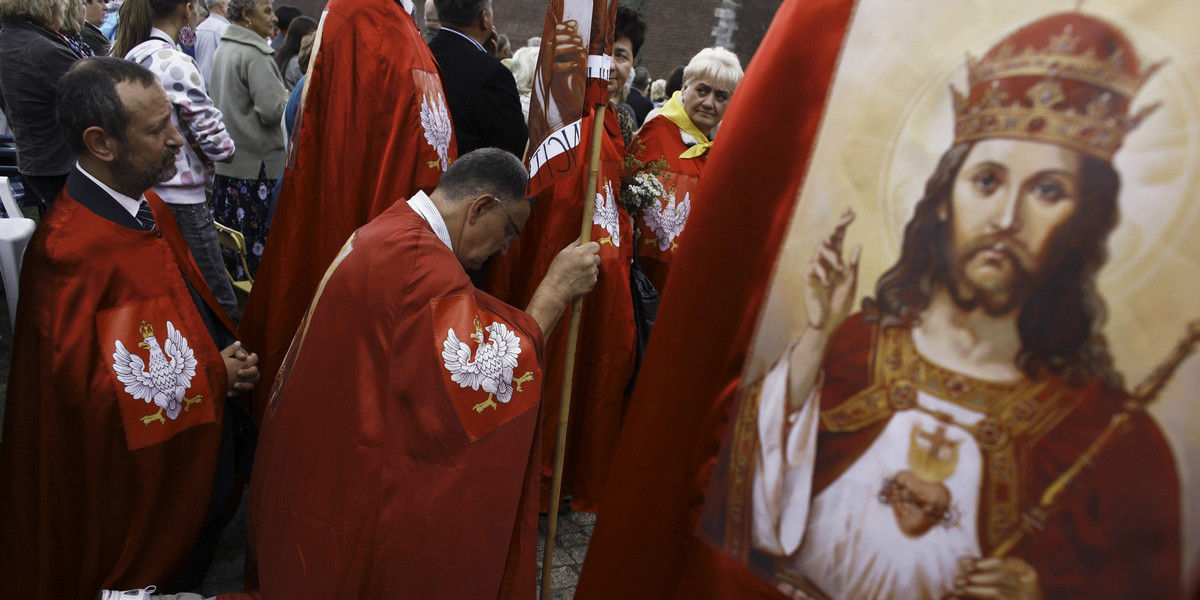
<point>1068,79</point>
<point>146,330</point>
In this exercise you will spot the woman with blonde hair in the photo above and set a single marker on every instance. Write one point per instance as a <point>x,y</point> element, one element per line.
<point>680,135</point>
<point>523,65</point>
<point>149,34</point>
<point>34,54</point>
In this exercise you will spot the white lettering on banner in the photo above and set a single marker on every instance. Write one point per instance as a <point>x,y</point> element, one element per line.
<point>599,67</point>
<point>566,138</point>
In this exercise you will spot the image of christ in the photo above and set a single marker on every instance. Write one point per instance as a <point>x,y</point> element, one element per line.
<point>900,447</point>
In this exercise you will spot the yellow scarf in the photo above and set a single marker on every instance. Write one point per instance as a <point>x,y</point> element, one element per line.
<point>673,111</point>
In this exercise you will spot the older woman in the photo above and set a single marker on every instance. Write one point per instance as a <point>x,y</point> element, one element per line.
<point>248,89</point>
<point>523,65</point>
<point>34,55</point>
<point>149,34</point>
<point>680,135</point>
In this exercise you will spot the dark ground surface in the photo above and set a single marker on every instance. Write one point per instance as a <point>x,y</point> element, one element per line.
<point>571,544</point>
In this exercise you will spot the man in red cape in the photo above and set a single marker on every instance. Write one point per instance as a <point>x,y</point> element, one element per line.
<point>700,504</point>
<point>374,129</point>
<point>112,469</point>
<point>605,358</point>
<point>399,450</point>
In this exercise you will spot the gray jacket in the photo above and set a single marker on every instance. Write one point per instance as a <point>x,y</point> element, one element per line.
<point>248,89</point>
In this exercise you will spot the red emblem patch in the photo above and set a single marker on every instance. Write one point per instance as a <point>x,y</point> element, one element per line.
<point>161,386</point>
<point>489,368</point>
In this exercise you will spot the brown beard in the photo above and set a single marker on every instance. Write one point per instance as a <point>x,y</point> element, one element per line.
<point>130,179</point>
<point>969,294</point>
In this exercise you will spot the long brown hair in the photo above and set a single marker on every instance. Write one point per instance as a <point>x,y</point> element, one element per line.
<point>136,18</point>
<point>300,27</point>
<point>1061,323</point>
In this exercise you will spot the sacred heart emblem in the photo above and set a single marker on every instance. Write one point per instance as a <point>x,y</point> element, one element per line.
<point>918,505</point>
<point>917,496</point>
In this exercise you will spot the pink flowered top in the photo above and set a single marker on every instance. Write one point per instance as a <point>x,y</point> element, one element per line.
<point>195,116</point>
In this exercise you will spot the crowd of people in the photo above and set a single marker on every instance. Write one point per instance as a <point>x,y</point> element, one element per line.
<point>389,388</point>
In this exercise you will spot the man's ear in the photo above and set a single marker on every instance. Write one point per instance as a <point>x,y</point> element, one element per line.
<point>99,143</point>
<point>478,206</point>
<point>485,19</point>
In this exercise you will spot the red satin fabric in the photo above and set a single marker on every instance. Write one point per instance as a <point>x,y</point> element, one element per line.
<point>644,544</point>
<point>606,332</point>
<point>662,139</point>
<point>360,147</point>
<point>367,483</point>
<point>79,510</point>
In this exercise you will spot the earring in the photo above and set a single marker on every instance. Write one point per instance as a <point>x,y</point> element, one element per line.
<point>187,36</point>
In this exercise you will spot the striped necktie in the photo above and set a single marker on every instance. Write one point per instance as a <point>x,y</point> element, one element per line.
<point>145,216</point>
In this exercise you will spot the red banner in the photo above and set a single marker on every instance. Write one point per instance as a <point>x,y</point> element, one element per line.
<point>572,74</point>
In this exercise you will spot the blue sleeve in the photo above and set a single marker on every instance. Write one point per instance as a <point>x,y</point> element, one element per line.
<point>293,105</point>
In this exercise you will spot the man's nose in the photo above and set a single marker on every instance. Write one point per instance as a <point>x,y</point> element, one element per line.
<point>175,139</point>
<point>1009,217</point>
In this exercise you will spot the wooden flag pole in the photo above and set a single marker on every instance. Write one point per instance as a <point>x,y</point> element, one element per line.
<point>564,403</point>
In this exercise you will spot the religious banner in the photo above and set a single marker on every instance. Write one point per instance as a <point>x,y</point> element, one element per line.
<point>967,369</point>
<point>572,74</point>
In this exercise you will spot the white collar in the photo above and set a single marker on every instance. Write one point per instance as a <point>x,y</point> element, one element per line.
<point>129,204</point>
<point>467,37</point>
<point>424,207</point>
<point>161,36</point>
<point>408,5</point>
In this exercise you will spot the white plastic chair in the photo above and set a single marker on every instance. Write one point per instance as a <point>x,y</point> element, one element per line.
<point>15,232</point>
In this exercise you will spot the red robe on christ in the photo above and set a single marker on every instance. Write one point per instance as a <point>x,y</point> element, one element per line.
<point>662,225</point>
<point>605,355</point>
<point>102,487</point>
<point>1115,533</point>
<point>374,129</point>
<point>387,466</point>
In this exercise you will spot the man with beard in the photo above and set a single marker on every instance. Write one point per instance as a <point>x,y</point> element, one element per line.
<point>119,442</point>
<point>896,449</point>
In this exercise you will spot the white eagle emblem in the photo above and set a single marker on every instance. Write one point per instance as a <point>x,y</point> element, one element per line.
<point>493,366</point>
<point>605,214</point>
<point>169,376</point>
<point>667,222</point>
<point>435,120</point>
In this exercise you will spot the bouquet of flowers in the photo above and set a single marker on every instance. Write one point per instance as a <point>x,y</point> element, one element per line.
<point>641,182</point>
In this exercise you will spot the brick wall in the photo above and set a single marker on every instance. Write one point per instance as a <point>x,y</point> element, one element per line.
<point>676,29</point>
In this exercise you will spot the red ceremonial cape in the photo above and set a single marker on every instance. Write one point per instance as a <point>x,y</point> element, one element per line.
<point>374,112</point>
<point>380,475</point>
<point>604,359</point>
<point>645,543</point>
<point>92,496</point>
<point>660,138</point>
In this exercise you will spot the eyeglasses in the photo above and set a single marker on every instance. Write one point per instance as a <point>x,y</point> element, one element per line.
<point>516,235</point>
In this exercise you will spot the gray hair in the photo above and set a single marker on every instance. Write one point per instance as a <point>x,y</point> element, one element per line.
<point>211,3</point>
<point>235,9</point>
<point>485,171</point>
<point>523,67</point>
<point>460,12</point>
<point>641,78</point>
<point>715,64</point>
